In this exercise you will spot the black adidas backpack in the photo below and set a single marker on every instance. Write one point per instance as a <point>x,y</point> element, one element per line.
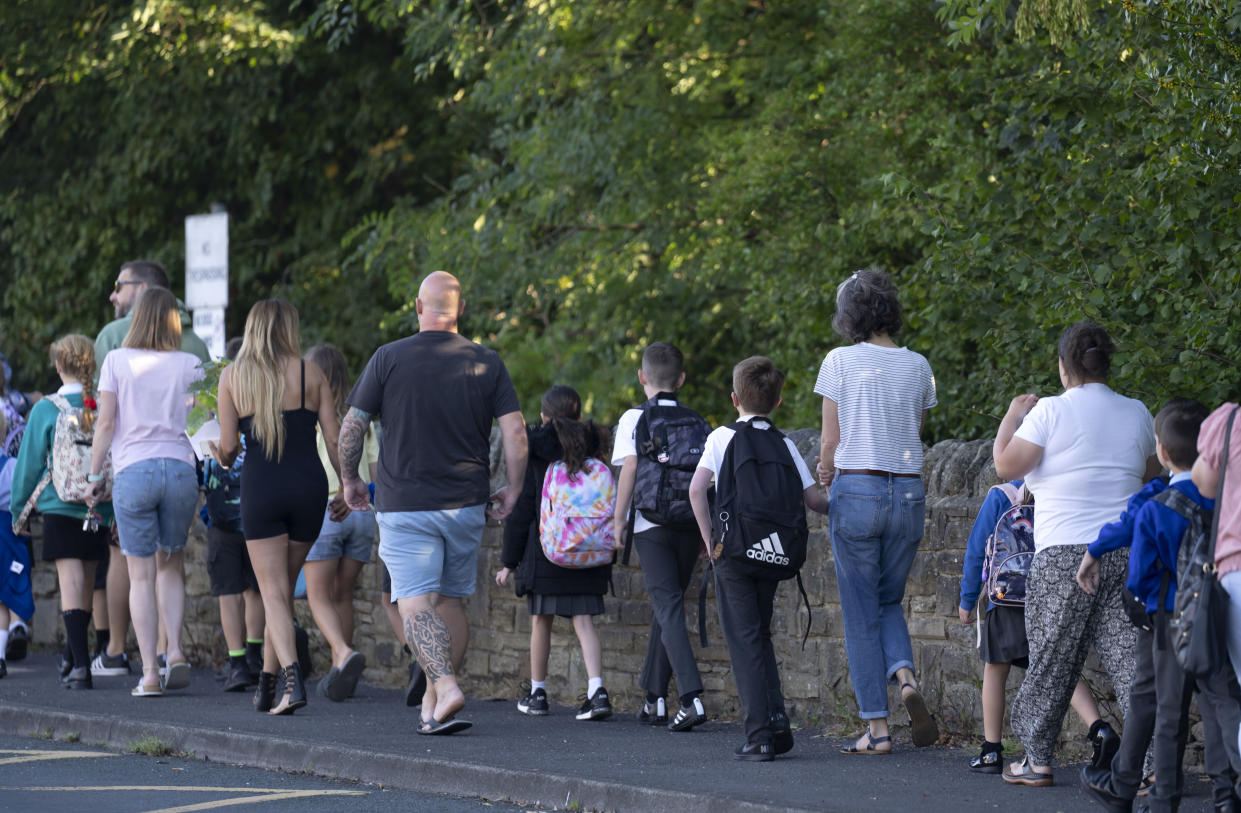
<point>760,511</point>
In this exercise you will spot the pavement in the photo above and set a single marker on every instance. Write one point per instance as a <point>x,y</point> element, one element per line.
<point>553,762</point>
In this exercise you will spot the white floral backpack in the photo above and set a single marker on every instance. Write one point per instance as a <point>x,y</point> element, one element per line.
<point>68,462</point>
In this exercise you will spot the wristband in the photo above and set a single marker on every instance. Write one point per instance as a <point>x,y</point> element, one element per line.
<point>94,478</point>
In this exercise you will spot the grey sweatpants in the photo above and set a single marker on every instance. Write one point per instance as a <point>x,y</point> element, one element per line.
<point>1063,623</point>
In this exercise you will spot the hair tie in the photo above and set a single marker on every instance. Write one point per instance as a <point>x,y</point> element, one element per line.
<point>90,404</point>
<point>1091,347</point>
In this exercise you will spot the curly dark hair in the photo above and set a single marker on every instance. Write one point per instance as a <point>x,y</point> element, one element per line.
<point>866,304</point>
<point>1086,350</point>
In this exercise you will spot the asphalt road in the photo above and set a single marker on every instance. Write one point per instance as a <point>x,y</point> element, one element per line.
<point>50,776</point>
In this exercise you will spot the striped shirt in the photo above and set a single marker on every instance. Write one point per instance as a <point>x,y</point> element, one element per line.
<point>880,394</point>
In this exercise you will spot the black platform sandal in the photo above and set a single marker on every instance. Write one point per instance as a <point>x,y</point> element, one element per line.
<point>294,691</point>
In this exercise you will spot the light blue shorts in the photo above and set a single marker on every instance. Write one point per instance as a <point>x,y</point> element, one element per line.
<point>154,501</point>
<point>432,551</point>
<point>350,538</point>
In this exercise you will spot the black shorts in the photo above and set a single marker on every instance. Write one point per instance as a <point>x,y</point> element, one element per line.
<point>228,563</point>
<point>63,538</point>
<point>101,569</point>
<point>1004,637</point>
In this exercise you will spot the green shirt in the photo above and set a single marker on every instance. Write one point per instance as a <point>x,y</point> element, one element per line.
<point>32,464</point>
<point>113,336</point>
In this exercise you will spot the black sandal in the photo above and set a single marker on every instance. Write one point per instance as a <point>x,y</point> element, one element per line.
<point>989,760</point>
<point>870,749</point>
<point>922,726</point>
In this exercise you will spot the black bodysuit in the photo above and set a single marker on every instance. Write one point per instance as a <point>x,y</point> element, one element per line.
<point>284,496</point>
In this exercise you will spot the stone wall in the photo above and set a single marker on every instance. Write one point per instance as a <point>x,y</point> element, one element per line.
<point>816,680</point>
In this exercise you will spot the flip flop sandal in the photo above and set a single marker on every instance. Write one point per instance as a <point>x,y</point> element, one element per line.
<point>434,727</point>
<point>350,672</point>
<point>922,725</point>
<point>870,749</point>
<point>178,675</point>
<point>1025,775</point>
<point>143,690</point>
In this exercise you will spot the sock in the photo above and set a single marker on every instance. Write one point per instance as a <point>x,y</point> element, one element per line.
<point>988,747</point>
<point>15,623</point>
<point>535,685</point>
<point>593,685</point>
<point>102,637</point>
<point>254,647</point>
<point>76,622</point>
<point>652,698</point>
<point>236,653</point>
<point>4,643</point>
<point>688,698</point>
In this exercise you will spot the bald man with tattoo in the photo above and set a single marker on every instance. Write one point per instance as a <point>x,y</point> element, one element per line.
<point>437,394</point>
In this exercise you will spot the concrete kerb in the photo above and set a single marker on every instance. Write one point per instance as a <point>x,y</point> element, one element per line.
<point>388,770</point>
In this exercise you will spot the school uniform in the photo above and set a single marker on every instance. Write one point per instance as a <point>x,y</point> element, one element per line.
<point>745,606</point>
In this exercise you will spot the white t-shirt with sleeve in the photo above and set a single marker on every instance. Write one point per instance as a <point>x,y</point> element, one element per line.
<point>1095,446</point>
<point>152,403</point>
<point>717,444</point>
<point>880,395</point>
<point>625,446</point>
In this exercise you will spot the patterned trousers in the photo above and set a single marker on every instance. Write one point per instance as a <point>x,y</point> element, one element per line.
<point>1063,623</point>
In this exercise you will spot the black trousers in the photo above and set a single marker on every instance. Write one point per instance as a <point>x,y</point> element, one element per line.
<point>668,558</point>
<point>745,616</point>
<point>1219,701</point>
<point>1158,708</point>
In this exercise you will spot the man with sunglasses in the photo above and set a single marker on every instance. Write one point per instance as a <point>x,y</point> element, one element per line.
<point>134,278</point>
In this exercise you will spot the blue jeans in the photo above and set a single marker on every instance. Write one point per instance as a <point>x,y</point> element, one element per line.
<point>876,525</point>
<point>154,501</point>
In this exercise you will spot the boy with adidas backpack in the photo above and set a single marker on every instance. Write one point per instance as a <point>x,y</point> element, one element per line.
<point>559,540</point>
<point>762,491</point>
<point>658,444</point>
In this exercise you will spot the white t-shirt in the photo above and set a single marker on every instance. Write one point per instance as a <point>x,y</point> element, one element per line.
<point>880,395</point>
<point>717,444</point>
<point>626,446</point>
<point>1095,447</point>
<point>152,403</point>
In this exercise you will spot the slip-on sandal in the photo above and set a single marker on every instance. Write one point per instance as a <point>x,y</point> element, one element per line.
<point>178,675</point>
<point>451,726</point>
<point>349,674</point>
<point>870,749</point>
<point>143,690</point>
<point>1026,775</point>
<point>922,726</point>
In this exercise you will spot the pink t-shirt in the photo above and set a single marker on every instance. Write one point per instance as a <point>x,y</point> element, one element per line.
<point>1228,503</point>
<point>152,403</point>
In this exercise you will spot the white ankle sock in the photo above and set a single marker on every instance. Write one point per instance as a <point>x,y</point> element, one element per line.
<point>535,685</point>
<point>593,685</point>
<point>4,642</point>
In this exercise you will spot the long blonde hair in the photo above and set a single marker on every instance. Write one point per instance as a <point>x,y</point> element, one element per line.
<point>258,373</point>
<point>156,323</point>
<point>75,355</point>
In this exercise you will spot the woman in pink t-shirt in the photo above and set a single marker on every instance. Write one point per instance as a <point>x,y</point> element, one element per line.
<point>1206,476</point>
<point>143,405</point>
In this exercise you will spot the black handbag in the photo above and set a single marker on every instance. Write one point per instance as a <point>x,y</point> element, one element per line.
<point>1200,614</point>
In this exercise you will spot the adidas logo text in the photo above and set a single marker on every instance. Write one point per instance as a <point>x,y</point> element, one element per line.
<point>769,550</point>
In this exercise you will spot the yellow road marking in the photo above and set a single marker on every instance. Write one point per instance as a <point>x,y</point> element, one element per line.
<point>198,789</point>
<point>37,756</point>
<point>269,797</point>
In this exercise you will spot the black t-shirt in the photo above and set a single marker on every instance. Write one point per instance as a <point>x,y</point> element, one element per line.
<point>437,393</point>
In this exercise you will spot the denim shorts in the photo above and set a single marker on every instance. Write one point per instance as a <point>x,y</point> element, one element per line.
<point>350,538</point>
<point>432,551</point>
<point>154,501</point>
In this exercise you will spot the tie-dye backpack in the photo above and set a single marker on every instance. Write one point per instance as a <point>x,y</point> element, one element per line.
<point>575,515</point>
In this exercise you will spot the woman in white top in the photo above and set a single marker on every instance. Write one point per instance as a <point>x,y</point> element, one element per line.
<point>144,401</point>
<point>875,398</point>
<point>1082,453</point>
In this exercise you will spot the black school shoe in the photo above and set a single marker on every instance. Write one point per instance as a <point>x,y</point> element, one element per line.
<point>1098,783</point>
<point>597,707</point>
<point>19,641</point>
<point>755,752</point>
<point>78,678</point>
<point>689,716</point>
<point>781,733</point>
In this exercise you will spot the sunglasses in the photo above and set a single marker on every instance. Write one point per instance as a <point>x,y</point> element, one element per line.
<point>116,286</point>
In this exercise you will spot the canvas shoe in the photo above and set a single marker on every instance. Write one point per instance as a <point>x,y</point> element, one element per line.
<point>654,713</point>
<point>597,707</point>
<point>535,704</point>
<point>106,665</point>
<point>689,716</point>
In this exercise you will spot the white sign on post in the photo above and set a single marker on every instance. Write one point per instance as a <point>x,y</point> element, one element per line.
<point>206,261</point>
<point>209,325</point>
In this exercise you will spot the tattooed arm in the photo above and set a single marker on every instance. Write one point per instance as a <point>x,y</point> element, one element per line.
<point>352,437</point>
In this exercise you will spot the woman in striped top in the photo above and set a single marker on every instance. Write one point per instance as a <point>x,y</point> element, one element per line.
<point>875,398</point>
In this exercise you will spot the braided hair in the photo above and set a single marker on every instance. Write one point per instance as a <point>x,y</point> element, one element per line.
<point>75,356</point>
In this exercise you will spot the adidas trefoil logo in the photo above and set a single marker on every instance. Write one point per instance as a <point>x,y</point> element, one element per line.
<point>769,550</point>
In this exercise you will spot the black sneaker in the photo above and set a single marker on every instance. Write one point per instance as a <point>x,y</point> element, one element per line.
<point>598,707</point>
<point>755,752</point>
<point>781,733</point>
<point>106,665</point>
<point>417,686</point>
<point>689,716</point>
<point>654,713</point>
<point>239,679</point>
<point>535,704</point>
<point>19,641</point>
<point>78,678</point>
<point>1098,783</point>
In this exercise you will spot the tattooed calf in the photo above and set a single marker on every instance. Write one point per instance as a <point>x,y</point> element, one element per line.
<point>427,633</point>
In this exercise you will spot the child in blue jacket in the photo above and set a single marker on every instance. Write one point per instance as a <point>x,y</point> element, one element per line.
<point>1159,702</point>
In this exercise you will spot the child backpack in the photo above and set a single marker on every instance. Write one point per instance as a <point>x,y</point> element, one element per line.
<point>575,515</point>
<point>669,439</point>
<point>1010,549</point>
<point>223,487</point>
<point>68,462</point>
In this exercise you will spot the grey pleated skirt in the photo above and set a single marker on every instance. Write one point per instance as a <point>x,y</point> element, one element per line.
<point>565,606</point>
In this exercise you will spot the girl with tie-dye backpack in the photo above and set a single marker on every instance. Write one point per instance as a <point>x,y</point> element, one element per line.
<point>559,542</point>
